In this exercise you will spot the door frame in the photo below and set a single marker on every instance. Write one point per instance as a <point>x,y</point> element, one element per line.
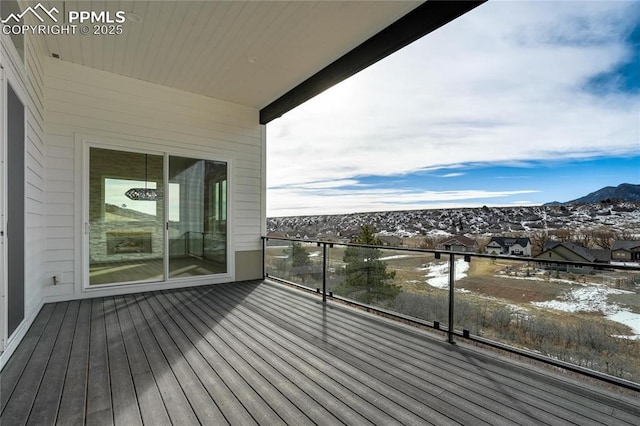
<point>10,76</point>
<point>4,312</point>
<point>88,142</point>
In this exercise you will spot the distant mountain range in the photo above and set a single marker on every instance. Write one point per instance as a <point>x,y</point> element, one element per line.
<point>611,208</point>
<point>623,192</point>
<point>622,216</point>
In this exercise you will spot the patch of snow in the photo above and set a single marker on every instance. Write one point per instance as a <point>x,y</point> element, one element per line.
<point>625,263</point>
<point>586,299</point>
<point>314,253</point>
<point>438,275</point>
<point>630,319</point>
<point>594,299</point>
<point>397,256</point>
<point>633,337</point>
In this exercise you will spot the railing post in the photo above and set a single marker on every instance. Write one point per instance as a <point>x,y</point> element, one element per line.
<point>452,275</point>
<point>324,272</point>
<point>264,257</point>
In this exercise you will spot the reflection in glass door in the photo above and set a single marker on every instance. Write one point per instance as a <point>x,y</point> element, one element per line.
<point>197,228</point>
<point>126,217</point>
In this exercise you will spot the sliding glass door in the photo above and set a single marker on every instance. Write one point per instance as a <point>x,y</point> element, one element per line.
<point>136,234</point>
<point>197,217</point>
<point>126,238</point>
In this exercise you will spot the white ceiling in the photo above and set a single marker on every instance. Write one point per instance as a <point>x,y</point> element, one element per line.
<point>247,52</point>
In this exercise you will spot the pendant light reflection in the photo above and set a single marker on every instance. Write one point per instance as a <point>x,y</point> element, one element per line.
<point>143,194</point>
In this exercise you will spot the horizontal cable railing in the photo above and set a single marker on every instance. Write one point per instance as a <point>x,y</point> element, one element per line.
<point>581,316</point>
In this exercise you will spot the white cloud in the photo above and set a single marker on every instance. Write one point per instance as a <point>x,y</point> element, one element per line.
<point>450,175</point>
<point>294,201</point>
<point>502,84</point>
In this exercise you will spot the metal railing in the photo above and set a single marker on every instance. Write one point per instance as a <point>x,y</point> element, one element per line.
<point>544,309</point>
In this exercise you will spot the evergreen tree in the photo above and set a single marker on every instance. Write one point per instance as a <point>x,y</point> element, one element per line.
<point>300,262</point>
<point>366,276</point>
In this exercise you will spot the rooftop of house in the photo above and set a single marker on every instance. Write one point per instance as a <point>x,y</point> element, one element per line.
<point>589,255</point>
<point>509,241</point>
<point>626,245</point>
<point>460,239</point>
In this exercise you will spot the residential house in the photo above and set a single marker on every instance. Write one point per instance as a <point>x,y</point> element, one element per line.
<point>509,246</point>
<point>625,251</point>
<point>458,243</point>
<point>166,115</point>
<point>573,252</point>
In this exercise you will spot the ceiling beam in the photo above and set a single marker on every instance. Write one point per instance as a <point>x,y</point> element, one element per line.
<point>424,19</point>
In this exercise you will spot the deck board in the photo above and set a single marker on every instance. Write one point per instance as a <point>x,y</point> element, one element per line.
<point>176,405</point>
<point>27,387</point>
<point>48,398</point>
<point>262,353</point>
<point>152,408</point>
<point>98,400</point>
<point>16,365</point>
<point>204,407</point>
<point>72,403</point>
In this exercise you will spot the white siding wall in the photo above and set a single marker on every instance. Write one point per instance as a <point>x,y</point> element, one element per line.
<point>83,103</point>
<point>28,82</point>
<point>35,279</point>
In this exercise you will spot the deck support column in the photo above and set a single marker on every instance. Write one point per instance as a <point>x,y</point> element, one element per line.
<point>452,263</point>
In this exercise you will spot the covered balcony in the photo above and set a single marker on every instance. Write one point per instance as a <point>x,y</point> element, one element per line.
<point>168,307</point>
<point>258,352</point>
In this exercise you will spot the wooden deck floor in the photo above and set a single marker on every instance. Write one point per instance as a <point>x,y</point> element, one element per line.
<point>259,353</point>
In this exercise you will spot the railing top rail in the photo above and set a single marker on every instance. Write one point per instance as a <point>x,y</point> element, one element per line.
<point>593,265</point>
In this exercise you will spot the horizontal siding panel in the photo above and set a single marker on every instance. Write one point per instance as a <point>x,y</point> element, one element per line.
<point>97,80</point>
<point>59,255</point>
<point>63,175</point>
<point>247,180</point>
<point>61,163</point>
<point>248,189</point>
<point>247,214</point>
<point>59,146</point>
<point>91,126</point>
<point>60,244</point>
<point>61,221</point>
<point>110,100</point>
<point>119,114</point>
<point>60,187</point>
<point>59,197</point>
<point>59,209</point>
<point>59,232</point>
<point>247,197</point>
<point>66,267</point>
<point>34,207</point>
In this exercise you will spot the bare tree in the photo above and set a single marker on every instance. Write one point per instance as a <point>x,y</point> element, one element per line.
<point>585,238</point>
<point>604,238</point>
<point>538,240</point>
<point>564,235</point>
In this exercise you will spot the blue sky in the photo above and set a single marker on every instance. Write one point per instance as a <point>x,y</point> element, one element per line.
<point>515,103</point>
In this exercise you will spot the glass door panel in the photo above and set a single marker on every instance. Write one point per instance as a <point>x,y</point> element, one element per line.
<point>197,228</point>
<point>126,217</point>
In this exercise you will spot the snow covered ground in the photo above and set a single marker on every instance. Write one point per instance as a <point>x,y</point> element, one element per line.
<point>593,298</point>
<point>438,274</point>
<point>397,256</point>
